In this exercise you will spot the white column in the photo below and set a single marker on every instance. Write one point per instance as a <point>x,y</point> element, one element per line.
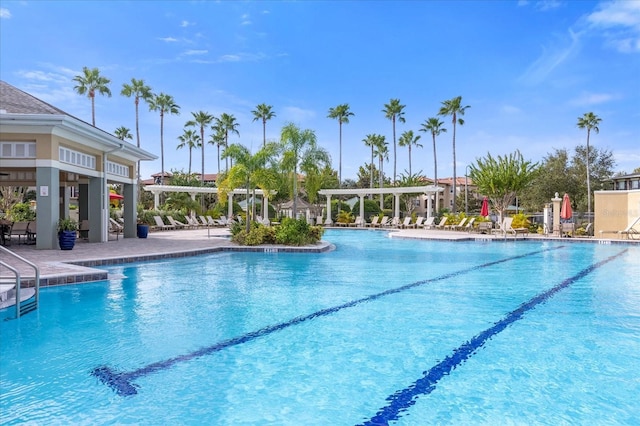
<point>556,214</point>
<point>328,221</point>
<point>430,205</point>
<point>362,208</point>
<point>265,207</point>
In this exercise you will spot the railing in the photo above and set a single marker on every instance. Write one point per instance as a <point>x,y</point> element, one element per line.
<point>18,284</point>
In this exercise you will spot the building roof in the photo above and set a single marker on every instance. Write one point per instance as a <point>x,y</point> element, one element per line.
<point>15,101</point>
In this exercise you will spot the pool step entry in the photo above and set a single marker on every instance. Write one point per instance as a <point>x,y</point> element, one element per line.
<point>13,290</point>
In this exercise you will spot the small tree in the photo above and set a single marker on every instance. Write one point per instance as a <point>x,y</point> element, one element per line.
<point>502,178</point>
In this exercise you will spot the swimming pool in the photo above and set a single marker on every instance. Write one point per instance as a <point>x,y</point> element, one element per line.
<point>379,331</point>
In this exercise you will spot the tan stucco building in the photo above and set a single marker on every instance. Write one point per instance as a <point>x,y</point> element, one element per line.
<point>45,148</point>
<point>618,210</point>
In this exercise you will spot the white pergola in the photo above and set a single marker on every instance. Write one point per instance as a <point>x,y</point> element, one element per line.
<point>156,190</point>
<point>396,191</point>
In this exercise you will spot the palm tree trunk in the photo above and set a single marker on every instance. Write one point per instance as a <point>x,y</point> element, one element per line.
<point>162,147</point>
<point>340,156</point>
<point>371,168</point>
<point>435,161</point>
<point>454,165</point>
<point>394,150</point>
<point>137,101</point>
<point>410,159</point>
<point>588,180</point>
<point>93,109</point>
<point>190,160</point>
<point>264,132</point>
<point>380,179</point>
<point>203,144</point>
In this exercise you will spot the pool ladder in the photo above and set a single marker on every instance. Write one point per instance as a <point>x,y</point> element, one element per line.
<point>14,286</point>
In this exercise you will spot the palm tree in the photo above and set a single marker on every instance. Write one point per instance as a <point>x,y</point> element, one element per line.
<point>300,146</point>
<point>88,83</point>
<point>201,119</point>
<point>408,139</point>
<point>122,133</point>
<point>189,139</point>
<point>454,108</point>
<point>371,141</point>
<point>138,90</point>
<point>228,124</point>
<point>342,114</point>
<point>589,121</point>
<point>165,104</point>
<point>263,112</point>
<point>433,125</point>
<point>217,139</point>
<point>394,112</point>
<point>381,149</point>
<point>250,171</point>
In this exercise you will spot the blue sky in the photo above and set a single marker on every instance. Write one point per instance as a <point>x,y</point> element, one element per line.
<point>528,70</point>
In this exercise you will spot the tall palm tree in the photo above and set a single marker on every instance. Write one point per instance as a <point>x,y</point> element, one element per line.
<point>189,139</point>
<point>89,83</point>
<point>300,146</point>
<point>371,140</point>
<point>217,140</point>
<point>139,90</point>
<point>381,149</point>
<point>408,139</point>
<point>394,111</point>
<point>228,124</point>
<point>122,133</point>
<point>263,112</point>
<point>454,108</point>
<point>433,125</point>
<point>589,121</point>
<point>342,114</point>
<point>164,104</point>
<point>201,119</point>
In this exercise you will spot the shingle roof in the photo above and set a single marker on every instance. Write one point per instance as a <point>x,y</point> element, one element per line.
<point>15,101</point>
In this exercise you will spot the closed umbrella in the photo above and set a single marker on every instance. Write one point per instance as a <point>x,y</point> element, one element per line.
<point>114,196</point>
<point>565,211</point>
<point>484,211</point>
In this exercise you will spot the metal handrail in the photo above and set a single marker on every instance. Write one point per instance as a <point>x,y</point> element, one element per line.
<point>18,281</point>
<point>17,274</point>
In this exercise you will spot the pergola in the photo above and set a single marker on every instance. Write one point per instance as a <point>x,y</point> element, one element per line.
<point>156,190</point>
<point>396,191</point>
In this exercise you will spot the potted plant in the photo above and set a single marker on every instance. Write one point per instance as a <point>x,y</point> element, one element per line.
<point>67,230</point>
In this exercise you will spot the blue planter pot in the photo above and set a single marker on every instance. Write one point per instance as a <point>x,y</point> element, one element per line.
<point>142,230</point>
<point>67,239</point>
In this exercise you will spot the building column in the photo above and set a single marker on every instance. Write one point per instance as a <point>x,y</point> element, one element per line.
<point>96,222</point>
<point>396,212</point>
<point>130,213</point>
<point>328,221</point>
<point>265,207</point>
<point>430,205</point>
<point>230,205</point>
<point>48,202</point>
<point>362,208</point>
<point>556,214</point>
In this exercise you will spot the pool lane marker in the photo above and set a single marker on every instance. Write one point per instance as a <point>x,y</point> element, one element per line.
<point>122,382</point>
<point>401,400</point>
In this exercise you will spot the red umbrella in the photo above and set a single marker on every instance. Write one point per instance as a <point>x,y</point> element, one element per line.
<point>484,211</point>
<point>565,211</point>
<point>114,196</point>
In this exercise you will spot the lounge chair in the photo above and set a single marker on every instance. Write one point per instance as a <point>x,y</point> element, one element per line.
<point>442,224</point>
<point>506,228</point>
<point>192,222</point>
<point>21,229</point>
<point>406,223</point>
<point>115,227</point>
<point>358,222</point>
<point>31,232</point>
<point>160,225</point>
<point>418,222</point>
<point>484,227</point>
<point>567,230</point>
<point>176,224</point>
<point>429,223</point>
<point>469,226</point>
<point>203,221</point>
<point>374,222</point>
<point>213,222</point>
<point>630,231</point>
<point>453,227</point>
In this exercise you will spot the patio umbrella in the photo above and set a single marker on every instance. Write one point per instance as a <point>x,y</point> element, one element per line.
<point>114,196</point>
<point>484,211</point>
<point>565,211</point>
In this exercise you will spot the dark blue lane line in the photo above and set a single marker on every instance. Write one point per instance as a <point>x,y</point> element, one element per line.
<point>121,382</point>
<point>401,400</point>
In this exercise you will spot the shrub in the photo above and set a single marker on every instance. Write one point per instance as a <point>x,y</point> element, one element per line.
<point>371,208</point>
<point>296,233</point>
<point>345,217</point>
<point>520,220</point>
<point>21,212</point>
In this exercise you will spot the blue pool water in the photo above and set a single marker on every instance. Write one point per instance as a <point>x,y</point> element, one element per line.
<point>379,331</point>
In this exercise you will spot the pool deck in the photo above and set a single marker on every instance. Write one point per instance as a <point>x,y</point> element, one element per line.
<point>59,267</point>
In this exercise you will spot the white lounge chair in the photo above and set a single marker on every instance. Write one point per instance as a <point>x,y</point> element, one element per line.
<point>176,224</point>
<point>115,227</point>
<point>374,222</point>
<point>406,223</point>
<point>453,227</point>
<point>429,223</point>
<point>630,231</point>
<point>358,222</point>
<point>161,225</point>
<point>442,224</point>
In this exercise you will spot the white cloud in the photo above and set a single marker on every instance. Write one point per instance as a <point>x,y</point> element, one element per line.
<point>510,109</point>
<point>195,52</point>
<point>244,57</point>
<point>230,58</point>
<point>296,114</point>
<point>620,21</point>
<point>43,76</point>
<point>592,99</point>
<point>5,13</point>
<point>551,58</point>
<point>168,39</point>
<point>185,24</point>
<point>548,5</point>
